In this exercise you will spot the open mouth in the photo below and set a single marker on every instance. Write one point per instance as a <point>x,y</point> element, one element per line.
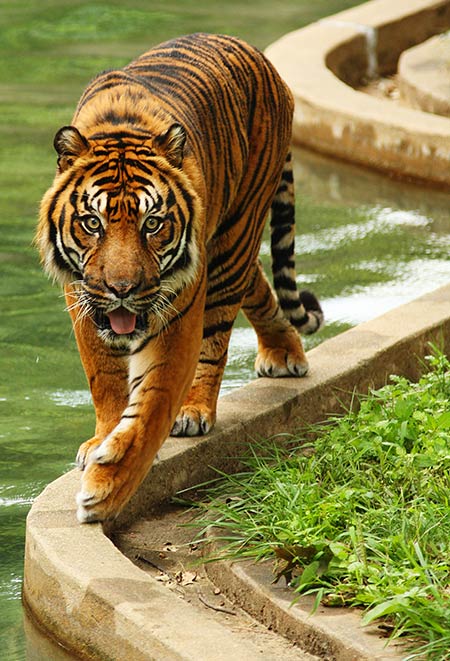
<point>120,321</point>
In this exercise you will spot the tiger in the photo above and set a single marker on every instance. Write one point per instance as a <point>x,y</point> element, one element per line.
<point>153,226</point>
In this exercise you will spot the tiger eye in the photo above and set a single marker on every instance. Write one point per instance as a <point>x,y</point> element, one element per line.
<point>152,224</point>
<point>91,224</point>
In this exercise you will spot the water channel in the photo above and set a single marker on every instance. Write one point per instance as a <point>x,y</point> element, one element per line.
<point>365,243</point>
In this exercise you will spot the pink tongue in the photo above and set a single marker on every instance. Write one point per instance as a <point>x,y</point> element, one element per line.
<point>122,321</point>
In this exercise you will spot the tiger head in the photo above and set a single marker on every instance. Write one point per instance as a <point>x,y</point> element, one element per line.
<point>121,222</point>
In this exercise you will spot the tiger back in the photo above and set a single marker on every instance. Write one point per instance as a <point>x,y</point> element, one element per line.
<point>153,225</point>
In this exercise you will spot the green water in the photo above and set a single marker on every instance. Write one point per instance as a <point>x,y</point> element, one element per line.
<point>365,243</point>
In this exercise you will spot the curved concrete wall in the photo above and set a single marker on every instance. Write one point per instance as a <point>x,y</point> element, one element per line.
<point>321,62</point>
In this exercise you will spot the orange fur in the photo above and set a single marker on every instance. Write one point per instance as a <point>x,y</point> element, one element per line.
<point>153,224</point>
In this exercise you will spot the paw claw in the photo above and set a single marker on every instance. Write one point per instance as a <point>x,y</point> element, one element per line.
<point>205,426</point>
<point>191,421</point>
<point>112,449</point>
<point>80,460</point>
<point>84,452</point>
<point>101,455</point>
<point>279,362</point>
<point>93,496</point>
<point>84,498</point>
<point>113,473</point>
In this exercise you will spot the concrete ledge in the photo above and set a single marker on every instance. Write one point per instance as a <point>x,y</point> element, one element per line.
<point>424,76</point>
<point>90,597</point>
<point>332,633</point>
<point>324,62</point>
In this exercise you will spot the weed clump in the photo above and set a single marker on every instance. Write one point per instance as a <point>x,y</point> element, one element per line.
<point>362,516</point>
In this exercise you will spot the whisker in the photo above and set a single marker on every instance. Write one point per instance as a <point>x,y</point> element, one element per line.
<point>82,305</point>
<point>162,308</point>
<point>159,305</point>
<point>76,292</point>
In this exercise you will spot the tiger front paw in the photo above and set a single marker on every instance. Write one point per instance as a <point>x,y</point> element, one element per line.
<point>193,421</point>
<point>113,471</point>
<point>99,497</point>
<point>85,450</point>
<point>281,362</point>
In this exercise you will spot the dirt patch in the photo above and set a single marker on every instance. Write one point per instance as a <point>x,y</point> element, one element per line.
<point>164,548</point>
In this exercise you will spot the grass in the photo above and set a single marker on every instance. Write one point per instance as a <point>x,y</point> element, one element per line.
<point>362,516</point>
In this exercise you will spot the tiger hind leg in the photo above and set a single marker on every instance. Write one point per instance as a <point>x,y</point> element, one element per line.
<point>280,349</point>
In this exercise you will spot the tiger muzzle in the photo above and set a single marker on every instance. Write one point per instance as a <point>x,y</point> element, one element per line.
<point>122,288</point>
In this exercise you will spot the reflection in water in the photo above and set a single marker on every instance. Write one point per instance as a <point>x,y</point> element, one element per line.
<point>334,182</point>
<point>241,356</point>
<point>379,221</point>
<point>71,398</point>
<point>15,500</point>
<point>41,648</point>
<point>365,245</point>
<point>410,281</point>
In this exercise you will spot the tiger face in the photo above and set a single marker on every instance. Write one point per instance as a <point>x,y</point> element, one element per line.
<point>127,238</point>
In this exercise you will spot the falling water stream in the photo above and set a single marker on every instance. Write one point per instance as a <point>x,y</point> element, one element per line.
<point>371,38</point>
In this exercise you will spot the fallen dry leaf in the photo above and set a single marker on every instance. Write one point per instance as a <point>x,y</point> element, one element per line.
<point>163,578</point>
<point>185,578</point>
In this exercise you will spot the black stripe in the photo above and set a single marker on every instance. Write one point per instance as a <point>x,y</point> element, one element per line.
<point>213,361</point>
<point>300,322</point>
<point>222,327</point>
<point>283,258</point>
<point>284,282</point>
<point>289,303</point>
<point>233,299</point>
<point>136,135</point>
<point>281,211</point>
<point>287,177</point>
<point>137,381</point>
<point>261,304</point>
<point>57,256</point>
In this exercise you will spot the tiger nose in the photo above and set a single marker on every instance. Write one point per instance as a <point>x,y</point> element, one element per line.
<point>122,288</point>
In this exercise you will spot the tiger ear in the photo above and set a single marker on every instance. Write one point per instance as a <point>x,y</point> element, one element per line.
<point>69,144</point>
<point>172,142</point>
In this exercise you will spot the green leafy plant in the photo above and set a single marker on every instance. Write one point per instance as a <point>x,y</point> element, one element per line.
<point>360,517</point>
